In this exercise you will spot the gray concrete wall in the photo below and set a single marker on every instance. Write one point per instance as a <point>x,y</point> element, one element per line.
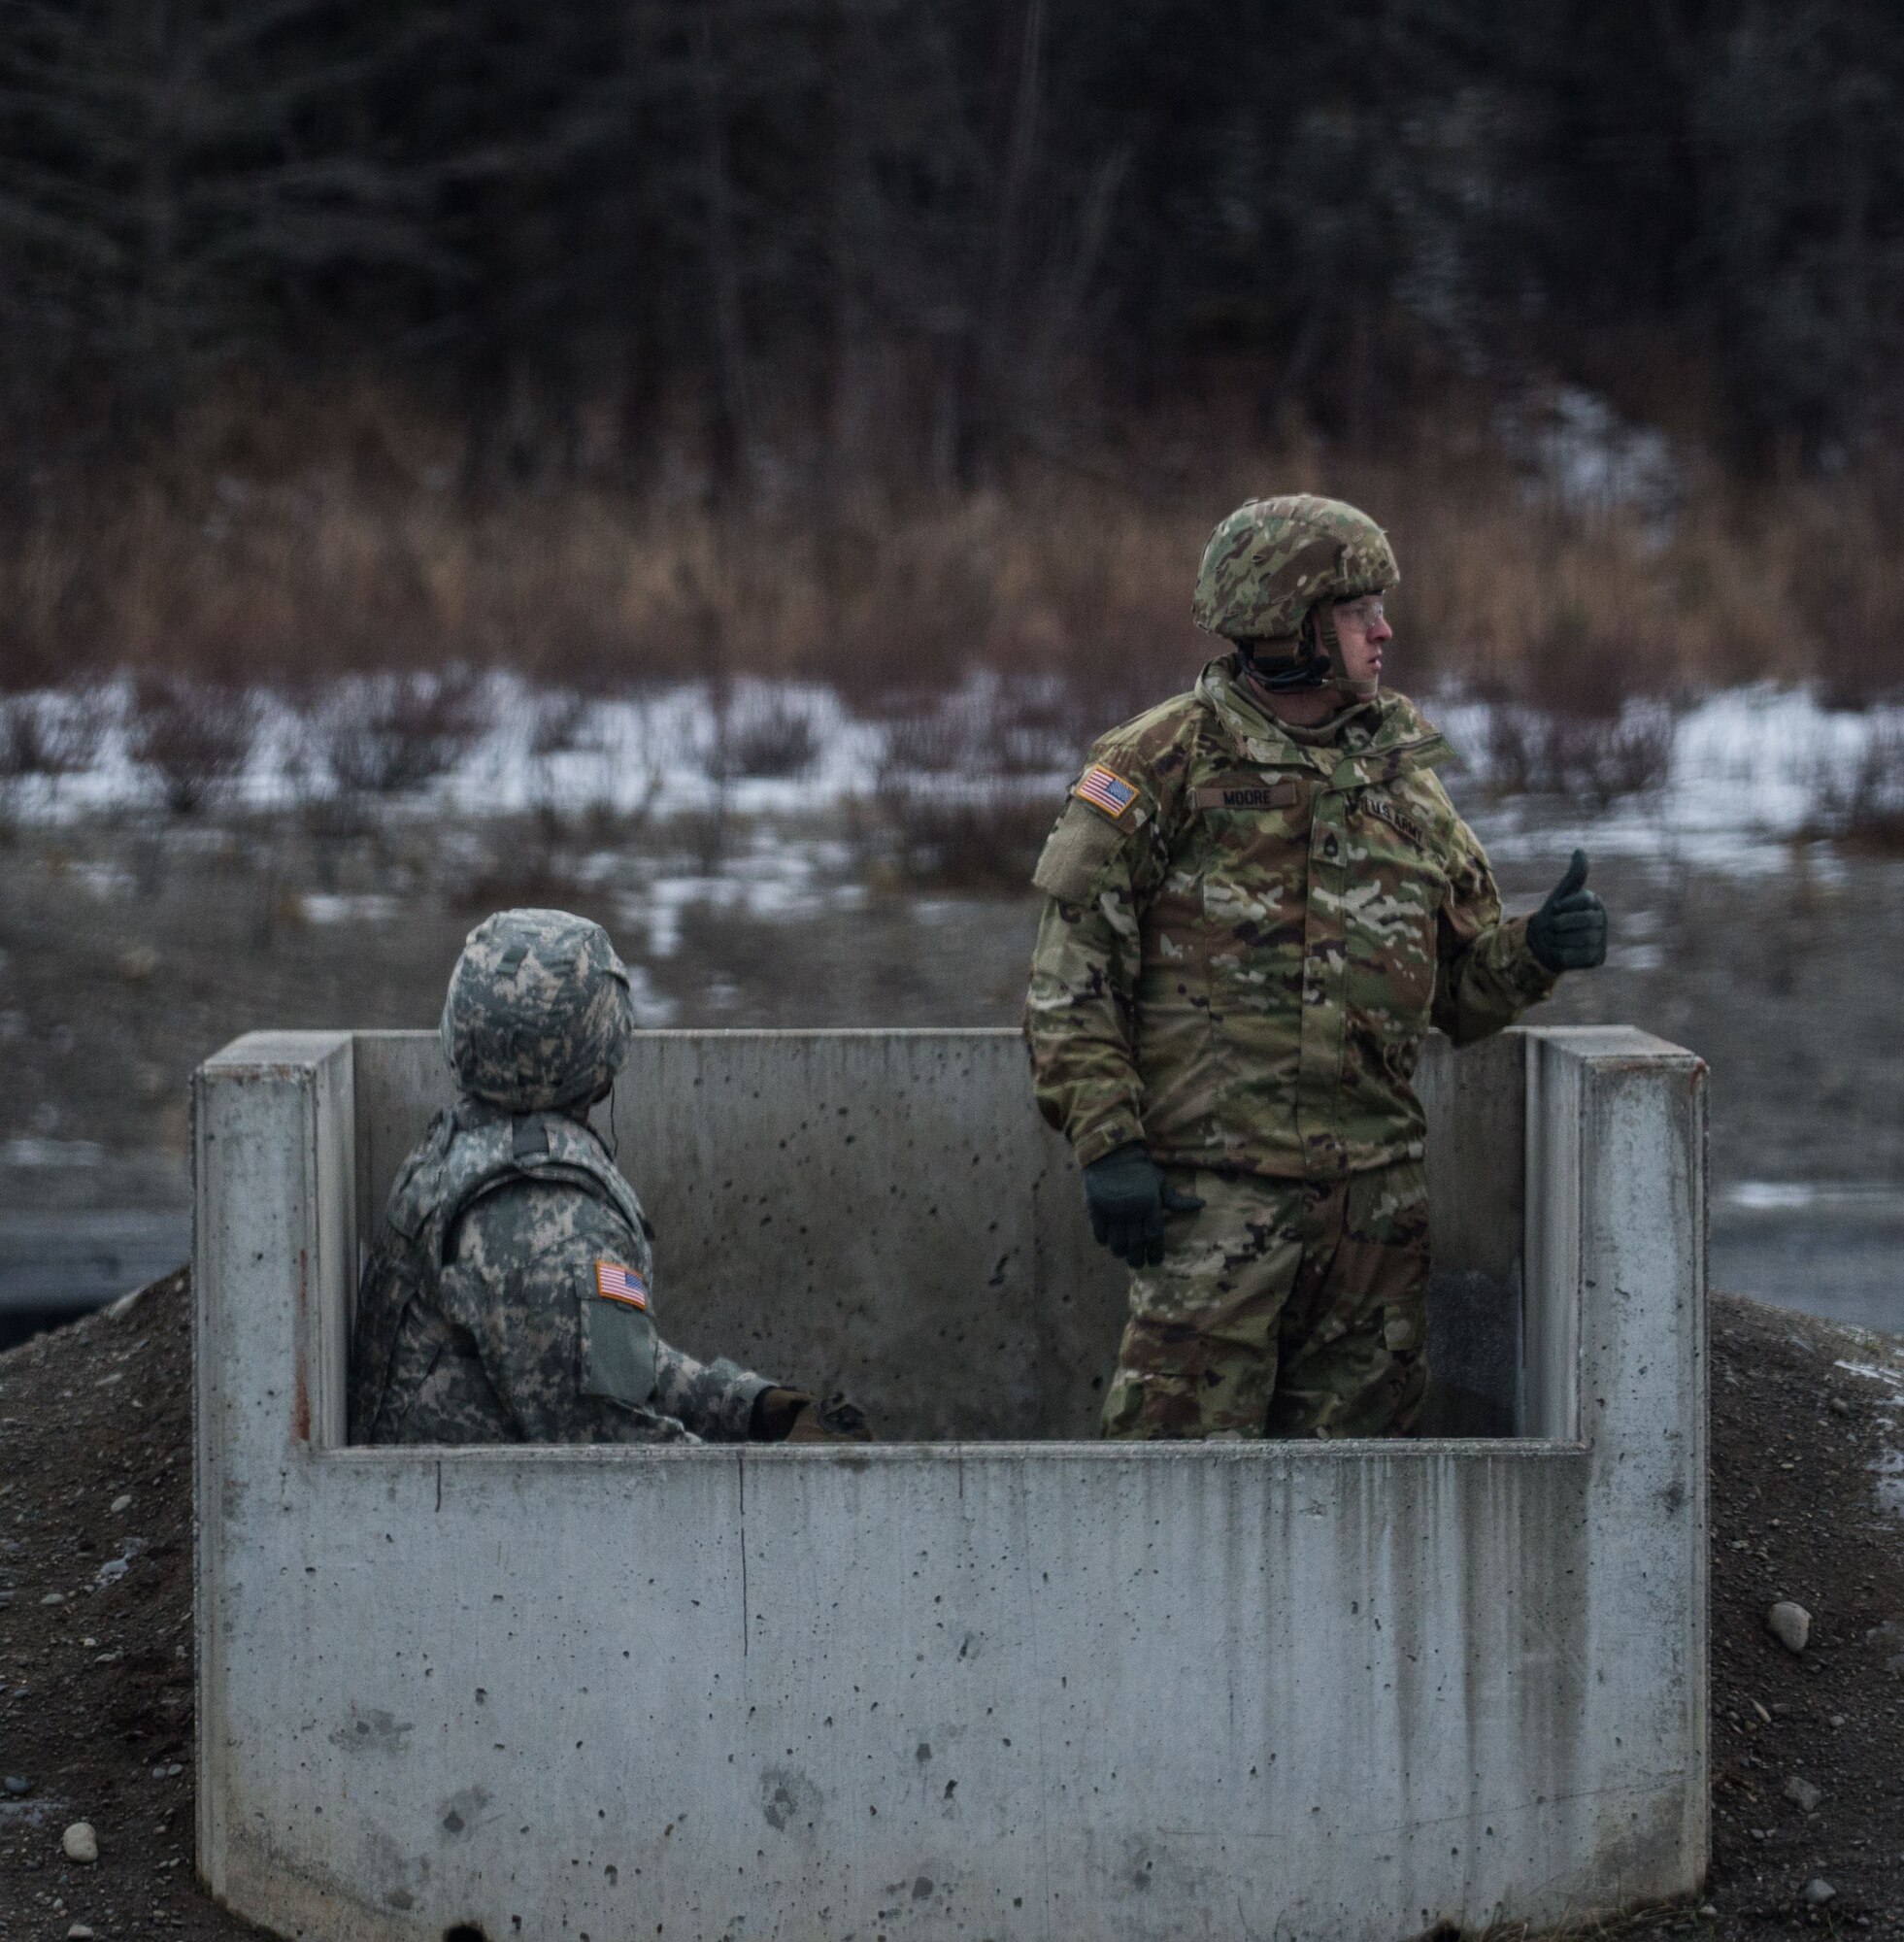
<point>885,1212</point>
<point>1017,1689</point>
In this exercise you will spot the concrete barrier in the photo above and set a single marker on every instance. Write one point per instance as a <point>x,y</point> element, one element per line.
<point>994,1689</point>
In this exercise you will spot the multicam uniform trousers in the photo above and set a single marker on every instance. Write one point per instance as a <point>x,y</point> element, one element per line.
<point>1282,1308</point>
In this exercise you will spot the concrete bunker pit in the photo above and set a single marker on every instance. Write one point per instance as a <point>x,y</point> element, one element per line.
<point>883,1212</point>
<point>508,1692</point>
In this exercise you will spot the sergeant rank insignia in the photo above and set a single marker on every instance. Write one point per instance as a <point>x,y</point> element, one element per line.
<point>1104,788</point>
<point>614,1283</point>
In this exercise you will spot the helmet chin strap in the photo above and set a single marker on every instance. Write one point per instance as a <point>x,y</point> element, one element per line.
<point>1290,663</point>
<point>1307,659</point>
<point>1322,618</point>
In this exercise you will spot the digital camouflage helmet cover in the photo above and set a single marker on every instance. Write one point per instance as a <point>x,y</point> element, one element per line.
<point>539,1014</point>
<point>1272,568</point>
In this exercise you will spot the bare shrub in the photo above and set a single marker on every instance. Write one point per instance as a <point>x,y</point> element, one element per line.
<point>1595,758</point>
<point>391,734</point>
<point>997,726</point>
<point>1042,725</point>
<point>1590,720</point>
<point>528,866</point>
<point>556,719</point>
<point>196,735</point>
<point>1516,751</point>
<point>556,723</point>
<point>938,739</point>
<point>51,735</point>
<point>943,838</point>
<point>955,797</point>
<point>764,736</point>
<point>608,801</point>
<point>1866,810</point>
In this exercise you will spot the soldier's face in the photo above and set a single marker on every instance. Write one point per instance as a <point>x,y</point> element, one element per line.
<point>1363,630</point>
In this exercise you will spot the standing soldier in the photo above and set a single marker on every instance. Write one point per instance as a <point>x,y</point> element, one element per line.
<point>508,1298</point>
<point>1260,898</point>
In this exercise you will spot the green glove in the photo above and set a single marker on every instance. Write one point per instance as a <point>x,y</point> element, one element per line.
<point>1128,1197</point>
<point>1569,930</point>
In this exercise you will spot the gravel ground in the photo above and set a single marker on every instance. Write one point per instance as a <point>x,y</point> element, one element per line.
<point>1808,1506</point>
<point>95,1629</point>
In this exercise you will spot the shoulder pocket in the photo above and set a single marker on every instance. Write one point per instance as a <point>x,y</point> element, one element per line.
<point>616,1346</point>
<point>1077,853</point>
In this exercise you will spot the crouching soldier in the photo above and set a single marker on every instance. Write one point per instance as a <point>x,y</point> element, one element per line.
<point>509,1297</point>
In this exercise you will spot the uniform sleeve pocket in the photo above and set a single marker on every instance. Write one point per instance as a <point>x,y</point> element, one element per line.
<point>1077,853</point>
<point>616,1347</point>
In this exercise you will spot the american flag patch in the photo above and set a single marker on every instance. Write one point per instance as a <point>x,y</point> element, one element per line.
<point>614,1283</point>
<point>1104,788</point>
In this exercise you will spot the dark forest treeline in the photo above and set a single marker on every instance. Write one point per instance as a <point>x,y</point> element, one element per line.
<point>807,237</point>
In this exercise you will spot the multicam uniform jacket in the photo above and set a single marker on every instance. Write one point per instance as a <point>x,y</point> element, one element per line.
<point>508,1300</point>
<point>1249,929</point>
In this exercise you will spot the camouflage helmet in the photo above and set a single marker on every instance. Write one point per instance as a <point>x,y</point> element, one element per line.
<point>538,1015</point>
<point>1269,563</point>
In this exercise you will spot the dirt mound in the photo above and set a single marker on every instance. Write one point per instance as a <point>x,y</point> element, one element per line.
<point>95,1628</point>
<point>1807,1505</point>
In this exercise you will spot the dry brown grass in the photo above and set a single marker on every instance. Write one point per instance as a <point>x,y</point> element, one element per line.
<point>325,536</point>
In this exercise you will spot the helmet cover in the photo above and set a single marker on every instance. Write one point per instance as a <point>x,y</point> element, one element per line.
<point>1273,560</point>
<point>538,1013</point>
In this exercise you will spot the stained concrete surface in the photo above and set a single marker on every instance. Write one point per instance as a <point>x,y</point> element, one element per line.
<point>57,1265</point>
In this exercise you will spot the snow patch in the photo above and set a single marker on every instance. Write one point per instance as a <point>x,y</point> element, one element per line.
<point>369,907</point>
<point>29,1151</point>
<point>1746,787</point>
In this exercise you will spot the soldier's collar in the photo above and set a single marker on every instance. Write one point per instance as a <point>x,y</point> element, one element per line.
<point>1258,736</point>
<point>1400,724</point>
<point>471,1114</point>
<point>1389,727</point>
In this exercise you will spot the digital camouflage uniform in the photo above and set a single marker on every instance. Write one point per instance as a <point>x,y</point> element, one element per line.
<point>508,1298</point>
<point>1249,926</point>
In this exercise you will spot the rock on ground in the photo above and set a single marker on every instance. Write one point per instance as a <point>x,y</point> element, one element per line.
<point>1790,1623</point>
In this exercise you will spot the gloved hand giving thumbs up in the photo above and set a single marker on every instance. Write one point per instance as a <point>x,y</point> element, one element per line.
<point>1569,930</point>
